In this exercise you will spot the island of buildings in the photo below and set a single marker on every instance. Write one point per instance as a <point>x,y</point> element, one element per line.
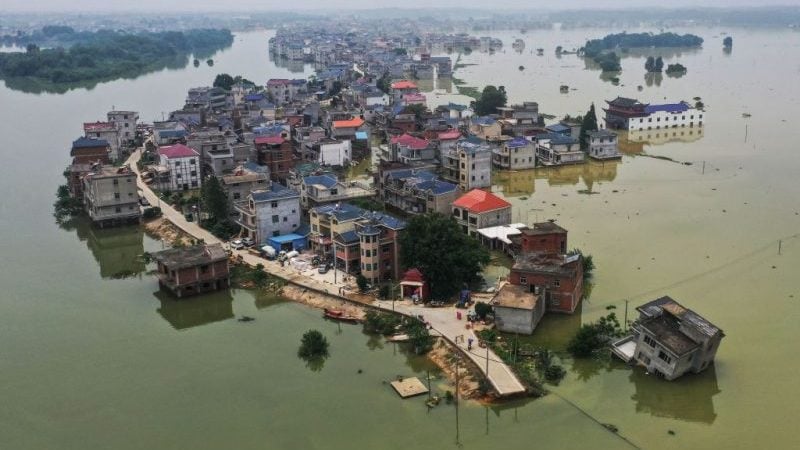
<point>282,150</point>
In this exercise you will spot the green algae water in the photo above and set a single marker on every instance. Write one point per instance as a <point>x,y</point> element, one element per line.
<point>93,356</point>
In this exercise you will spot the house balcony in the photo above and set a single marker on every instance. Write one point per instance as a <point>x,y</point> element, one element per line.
<point>625,348</point>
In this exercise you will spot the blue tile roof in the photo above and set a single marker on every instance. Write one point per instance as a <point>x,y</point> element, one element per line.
<point>275,192</point>
<point>348,237</point>
<point>403,174</point>
<point>517,142</point>
<point>485,121</point>
<point>436,187</point>
<point>84,142</point>
<point>557,139</point>
<point>253,167</point>
<point>385,219</point>
<point>341,211</point>
<point>668,107</point>
<point>558,128</point>
<point>254,97</point>
<point>328,181</point>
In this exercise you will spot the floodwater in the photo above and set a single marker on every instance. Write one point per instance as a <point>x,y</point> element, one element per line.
<point>95,357</point>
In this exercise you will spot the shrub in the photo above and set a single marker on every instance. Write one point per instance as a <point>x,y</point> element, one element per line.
<point>361,281</point>
<point>482,309</point>
<point>385,291</point>
<point>383,323</point>
<point>151,212</point>
<point>594,336</point>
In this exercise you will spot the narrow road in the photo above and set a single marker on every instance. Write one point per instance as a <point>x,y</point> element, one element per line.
<point>442,320</point>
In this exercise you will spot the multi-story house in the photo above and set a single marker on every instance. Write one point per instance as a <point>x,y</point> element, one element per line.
<point>283,91</point>
<point>210,98</point>
<point>362,241</point>
<point>474,165</point>
<point>670,340</point>
<point>631,115</point>
<point>480,209</point>
<point>270,212</point>
<point>401,88</point>
<point>322,189</point>
<point>515,154</point>
<point>169,132</point>
<point>603,144</point>
<point>559,276</point>
<point>89,150</point>
<point>244,179</point>
<point>328,151</point>
<point>193,270</point>
<point>346,129</point>
<point>215,152</point>
<point>125,122</point>
<point>485,128</point>
<point>409,149</point>
<point>106,131</point>
<point>557,149</point>
<point>416,191</point>
<point>110,196</point>
<point>276,153</point>
<point>182,164</point>
<point>520,119</point>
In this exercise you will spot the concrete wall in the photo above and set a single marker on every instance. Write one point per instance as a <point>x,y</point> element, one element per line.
<point>283,218</point>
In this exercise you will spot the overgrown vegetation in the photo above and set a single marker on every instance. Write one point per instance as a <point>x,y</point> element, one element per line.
<point>226,81</point>
<point>654,64</point>
<point>105,55</point>
<point>676,69</point>
<point>588,123</point>
<point>447,257</point>
<point>65,206</point>
<point>483,309</point>
<point>594,336</point>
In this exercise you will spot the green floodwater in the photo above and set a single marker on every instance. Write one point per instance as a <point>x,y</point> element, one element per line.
<point>94,357</point>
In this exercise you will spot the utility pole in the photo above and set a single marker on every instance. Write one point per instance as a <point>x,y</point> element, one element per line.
<point>626,315</point>
<point>780,243</point>
<point>487,360</point>
<point>334,258</point>
<point>704,168</point>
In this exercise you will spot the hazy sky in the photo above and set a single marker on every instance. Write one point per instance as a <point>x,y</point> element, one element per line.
<point>261,5</point>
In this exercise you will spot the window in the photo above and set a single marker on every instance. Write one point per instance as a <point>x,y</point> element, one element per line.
<point>557,282</point>
<point>129,180</point>
<point>193,173</point>
<point>116,195</point>
<point>649,341</point>
<point>274,204</point>
<point>276,219</point>
<point>285,218</point>
<point>276,233</point>
<point>523,280</point>
<point>191,161</point>
<point>117,209</point>
<point>177,175</point>
<point>116,181</point>
<point>204,269</point>
<point>236,195</point>
<point>663,356</point>
<point>194,183</point>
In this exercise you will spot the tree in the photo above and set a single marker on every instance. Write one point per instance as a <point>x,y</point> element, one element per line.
<point>659,65</point>
<point>491,98</point>
<point>313,345</point>
<point>362,282</point>
<point>649,64</point>
<point>417,109</point>
<point>224,81</point>
<point>482,309</point>
<point>594,336</point>
<point>727,42</point>
<point>215,200</point>
<point>384,83</point>
<point>65,206</point>
<point>448,258</point>
<point>589,124</point>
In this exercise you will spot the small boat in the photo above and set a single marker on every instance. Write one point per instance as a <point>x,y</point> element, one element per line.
<point>335,314</point>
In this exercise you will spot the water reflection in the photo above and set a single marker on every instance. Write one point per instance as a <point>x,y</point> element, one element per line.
<point>195,311</point>
<point>633,142</point>
<point>118,251</point>
<point>553,332</point>
<point>291,65</point>
<point>522,183</point>
<point>315,363</point>
<point>688,398</point>
<point>651,78</point>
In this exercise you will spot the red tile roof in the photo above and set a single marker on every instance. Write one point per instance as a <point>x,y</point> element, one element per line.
<point>97,126</point>
<point>410,141</point>
<point>480,201</point>
<point>177,151</point>
<point>449,135</point>
<point>352,123</point>
<point>270,140</point>
<point>403,84</point>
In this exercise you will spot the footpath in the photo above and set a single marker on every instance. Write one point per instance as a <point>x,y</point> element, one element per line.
<point>443,321</point>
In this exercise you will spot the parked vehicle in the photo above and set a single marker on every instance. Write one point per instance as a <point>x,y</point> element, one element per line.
<point>237,244</point>
<point>247,242</point>
<point>143,201</point>
<point>323,269</point>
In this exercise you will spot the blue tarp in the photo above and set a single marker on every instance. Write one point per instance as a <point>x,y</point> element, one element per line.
<point>362,135</point>
<point>288,242</point>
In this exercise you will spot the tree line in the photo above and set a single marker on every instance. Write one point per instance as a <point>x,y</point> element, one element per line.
<point>602,50</point>
<point>106,55</point>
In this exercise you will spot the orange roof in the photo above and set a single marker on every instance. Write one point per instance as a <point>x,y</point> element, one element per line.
<point>449,135</point>
<point>404,84</point>
<point>352,123</point>
<point>480,201</point>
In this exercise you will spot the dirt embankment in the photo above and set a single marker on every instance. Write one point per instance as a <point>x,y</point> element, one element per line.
<point>321,301</point>
<point>162,228</point>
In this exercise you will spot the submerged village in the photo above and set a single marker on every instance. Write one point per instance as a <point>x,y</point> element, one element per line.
<point>349,192</point>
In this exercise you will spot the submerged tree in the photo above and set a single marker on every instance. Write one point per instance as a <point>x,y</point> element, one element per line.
<point>727,42</point>
<point>491,98</point>
<point>313,345</point>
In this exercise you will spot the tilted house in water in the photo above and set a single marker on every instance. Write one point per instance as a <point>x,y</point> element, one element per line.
<point>670,340</point>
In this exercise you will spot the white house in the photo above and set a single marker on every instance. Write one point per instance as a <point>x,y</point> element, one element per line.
<point>334,152</point>
<point>183,165</point>
<point>670,115</point>
<point>125,122</point>
<point>603,144</point>
<point>270,212</point>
